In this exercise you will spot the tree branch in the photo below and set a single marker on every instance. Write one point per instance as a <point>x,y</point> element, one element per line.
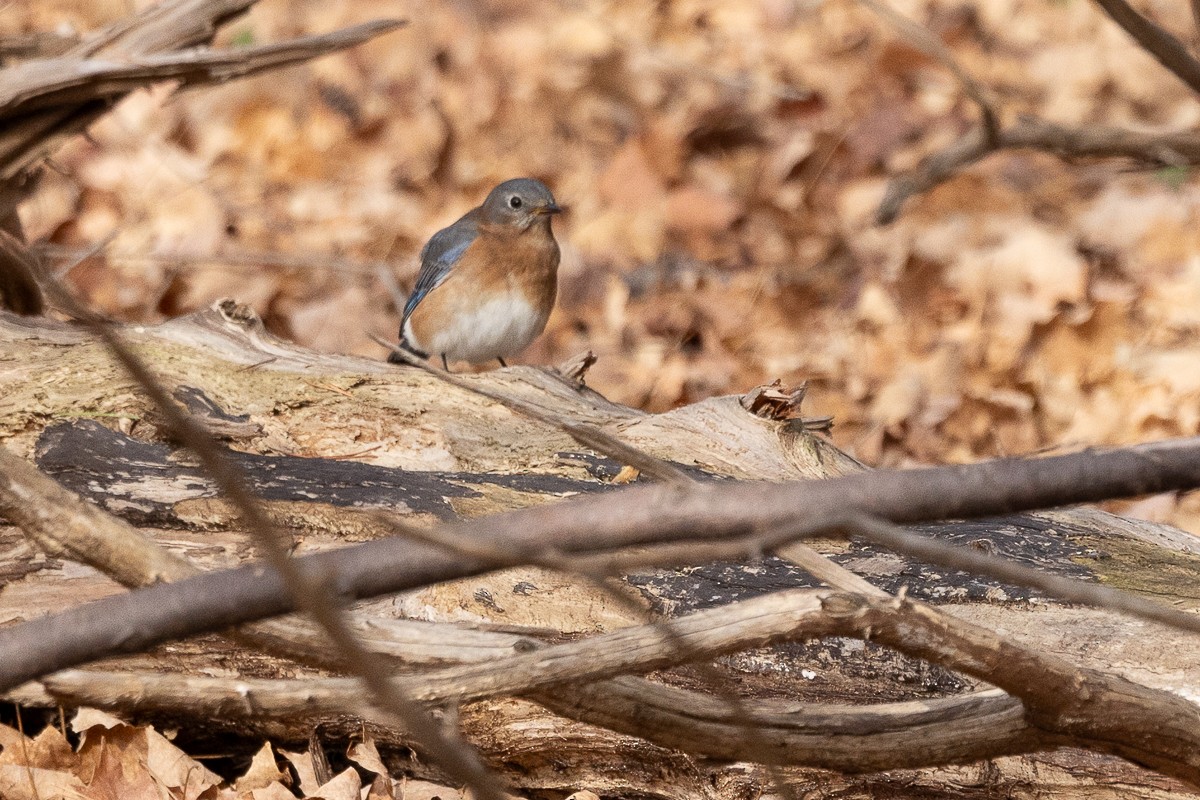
<point>46,100</point>
<point>1151,727</point>
<point>1073,706</point>
<point>1156,40</point>
<point>633,516</point>
<point>1168,149</point>
<point>934,48</point>
<point>967,728</point>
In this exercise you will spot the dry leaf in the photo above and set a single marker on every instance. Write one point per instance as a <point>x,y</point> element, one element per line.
<point>263,771</point>
<point>584,795</point>
<point>31,783</point>
<point>303,764</point>
<point>346,785</point>
<point>366,755</point>
<point>87,718</point>
<point>120,774</point>
<point>381,788</point>
<point>273,791</point>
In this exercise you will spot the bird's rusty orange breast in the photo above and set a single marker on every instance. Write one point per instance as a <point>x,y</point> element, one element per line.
<point>498,262</point>
<point>522,260</point>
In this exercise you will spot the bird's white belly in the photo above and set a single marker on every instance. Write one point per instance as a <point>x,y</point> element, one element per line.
<point>498,328</point>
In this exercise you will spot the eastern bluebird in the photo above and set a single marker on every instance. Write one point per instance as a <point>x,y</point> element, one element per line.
<point>487,283</point>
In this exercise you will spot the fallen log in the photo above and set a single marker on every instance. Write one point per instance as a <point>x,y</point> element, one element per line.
<point>324,438</point>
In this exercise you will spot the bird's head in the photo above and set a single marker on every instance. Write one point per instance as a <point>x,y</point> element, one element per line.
<point>520,203</point>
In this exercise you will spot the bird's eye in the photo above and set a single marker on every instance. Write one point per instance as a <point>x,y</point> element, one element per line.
<point>514,202</point>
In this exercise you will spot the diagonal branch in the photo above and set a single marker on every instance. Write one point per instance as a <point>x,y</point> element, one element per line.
<point>46,100</point>
<point>65,82</point>
<point>1156,40</point>
<point>314,592</point>
<point>966,559</point>
<point>1151,727</point>
<point>967,727</point>
<point>587,435</point>
<point>632,516</point>
<point>933,47</point>
<point>169,25</point>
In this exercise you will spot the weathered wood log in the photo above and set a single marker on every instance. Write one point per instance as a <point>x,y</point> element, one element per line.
<point>324,437</point>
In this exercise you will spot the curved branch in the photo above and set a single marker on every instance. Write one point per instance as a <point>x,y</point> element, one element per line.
<point>932,46</point>
<point>1166,149</point>
<point>1151,727</point>
<point>851,739</point>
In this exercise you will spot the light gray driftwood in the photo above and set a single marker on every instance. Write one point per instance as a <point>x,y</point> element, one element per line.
<point>449,453</point>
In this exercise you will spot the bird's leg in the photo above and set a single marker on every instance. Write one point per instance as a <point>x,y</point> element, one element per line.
<point>445,364</point>
<point>501,360</point>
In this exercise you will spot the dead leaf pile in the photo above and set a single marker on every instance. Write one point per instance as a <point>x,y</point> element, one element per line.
<point>722,163</point>
<point>115,760</point>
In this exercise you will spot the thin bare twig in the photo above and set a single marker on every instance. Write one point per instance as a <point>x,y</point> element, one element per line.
<point>233,259</point>
<point>1168,149</point>
<point>385,276</point>
<point>893,537</point>
<point>825,570</point>
<point>311,591</point>
<point>784,543</point>
<point>587,435</point>
<point>933,47</point>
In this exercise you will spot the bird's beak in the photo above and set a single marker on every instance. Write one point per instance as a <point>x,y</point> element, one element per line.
<point>552,208</point>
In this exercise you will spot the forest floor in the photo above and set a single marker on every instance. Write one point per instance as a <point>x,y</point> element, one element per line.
<point>722,164</point>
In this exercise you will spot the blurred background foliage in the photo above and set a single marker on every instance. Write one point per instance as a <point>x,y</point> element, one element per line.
<point>722,163</point>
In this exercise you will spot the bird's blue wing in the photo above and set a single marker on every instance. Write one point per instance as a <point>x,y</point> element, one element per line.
<point>438,257</point>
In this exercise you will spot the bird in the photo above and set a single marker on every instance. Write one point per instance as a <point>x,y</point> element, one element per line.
<point>487,283</point>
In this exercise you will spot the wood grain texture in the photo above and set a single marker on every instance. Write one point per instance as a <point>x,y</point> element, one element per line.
<point>63,404</point>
